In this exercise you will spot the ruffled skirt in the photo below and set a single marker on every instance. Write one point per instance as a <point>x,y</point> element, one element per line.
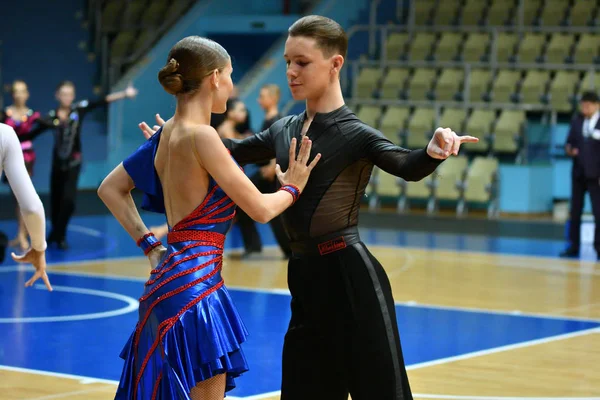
<point>182,339</point>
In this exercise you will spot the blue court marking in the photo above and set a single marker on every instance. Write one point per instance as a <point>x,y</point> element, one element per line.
<point>101,237</point>
<point>91,347</point>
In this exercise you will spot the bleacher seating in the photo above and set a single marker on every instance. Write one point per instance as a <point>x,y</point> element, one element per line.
<point>481,67</point>
<point>501,130</point>
<point>131,27</point>
<point>455,180</point>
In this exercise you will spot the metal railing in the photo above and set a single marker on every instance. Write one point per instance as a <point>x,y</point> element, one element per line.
<point>519,23</point>
<point>383,32</point>
<point>112,69</point>
<point>467,67</point>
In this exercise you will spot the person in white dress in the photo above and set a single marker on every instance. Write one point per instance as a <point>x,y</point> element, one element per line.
<point>32,209</point>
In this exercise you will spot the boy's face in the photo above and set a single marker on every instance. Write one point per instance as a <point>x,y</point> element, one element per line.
<point>309,72</point>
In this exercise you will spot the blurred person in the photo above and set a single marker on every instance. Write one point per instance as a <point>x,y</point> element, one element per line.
<point>242,127</point>
<point>235,115</point>
<point>265,179</point>
<point>583,146</point>
<point>66,122</point>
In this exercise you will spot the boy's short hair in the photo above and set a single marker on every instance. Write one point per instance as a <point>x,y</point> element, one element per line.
<point>273,89</point>
<point>328,34</point>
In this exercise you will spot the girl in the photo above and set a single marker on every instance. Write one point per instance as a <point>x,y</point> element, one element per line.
<point>187,343</point>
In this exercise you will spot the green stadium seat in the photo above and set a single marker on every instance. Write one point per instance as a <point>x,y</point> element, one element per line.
<point>393,82</point>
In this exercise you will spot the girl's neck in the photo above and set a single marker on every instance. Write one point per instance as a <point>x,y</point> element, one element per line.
<point>193,110</point>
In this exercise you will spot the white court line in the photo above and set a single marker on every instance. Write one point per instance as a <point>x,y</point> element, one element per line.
<point>518,264</point>
<point>281,291</point>
<point>96,233</point>
<point>85,230</point>
<point>19,268</point>
<point>505,260</point>
<point>483,253</point>
<point>479,354</point>
<point>88,380</point>
<point>132,305</point>
<point>500,349</point>
<point>507,263</point>
<point>69,264</point>
<point>576,308</point>
<point>459,397</point>
<point>66,394</point>
<point>517,313</point>
<point>442,397</point>
<point>408,264</point>
<point>81,379</point>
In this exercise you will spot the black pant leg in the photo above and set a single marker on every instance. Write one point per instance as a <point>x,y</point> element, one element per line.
<point>594,189</point>
<point>375,340</point>
<point>3,245</point>
<point>314,356</point>
<point>250,235</point>
<point>281,236</point>
<point>343,317</point>
<point>57,186</point>
<point>67,202</point>
<point>578,189</point>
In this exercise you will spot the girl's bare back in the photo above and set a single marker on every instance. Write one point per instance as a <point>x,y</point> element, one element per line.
<point>184,180</point>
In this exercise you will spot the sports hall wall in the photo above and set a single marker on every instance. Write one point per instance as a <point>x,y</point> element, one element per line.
<point>43,57</point>
<point>524,188</point>
<point>256,43</point>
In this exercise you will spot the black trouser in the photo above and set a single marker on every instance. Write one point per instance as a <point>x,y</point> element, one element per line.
<point>578,188</point>
<point>343,335</point>
<point>63,191</point>
<point>3,245</point>
<point>250,235</point>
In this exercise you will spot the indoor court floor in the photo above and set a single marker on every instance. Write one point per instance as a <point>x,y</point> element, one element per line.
<point>480,317</point>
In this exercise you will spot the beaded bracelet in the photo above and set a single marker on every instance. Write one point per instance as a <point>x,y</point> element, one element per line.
<point>293,190</point>
<point>148,242</point>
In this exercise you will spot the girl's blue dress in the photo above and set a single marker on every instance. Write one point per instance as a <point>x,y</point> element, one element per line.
<point>188,329</point>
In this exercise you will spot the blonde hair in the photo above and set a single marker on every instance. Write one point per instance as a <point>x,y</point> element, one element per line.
<point>273,89</point>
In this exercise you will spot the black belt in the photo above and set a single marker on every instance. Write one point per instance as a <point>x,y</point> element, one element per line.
<point>326,244</point>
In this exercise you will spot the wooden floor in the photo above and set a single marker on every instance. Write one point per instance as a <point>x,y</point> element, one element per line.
<point>565,367</point>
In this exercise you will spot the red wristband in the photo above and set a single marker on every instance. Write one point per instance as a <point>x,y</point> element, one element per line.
<point>293,190</point>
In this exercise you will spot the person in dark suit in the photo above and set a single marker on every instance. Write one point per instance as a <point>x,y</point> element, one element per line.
<point>583,145</point>
<point>265,180</point>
